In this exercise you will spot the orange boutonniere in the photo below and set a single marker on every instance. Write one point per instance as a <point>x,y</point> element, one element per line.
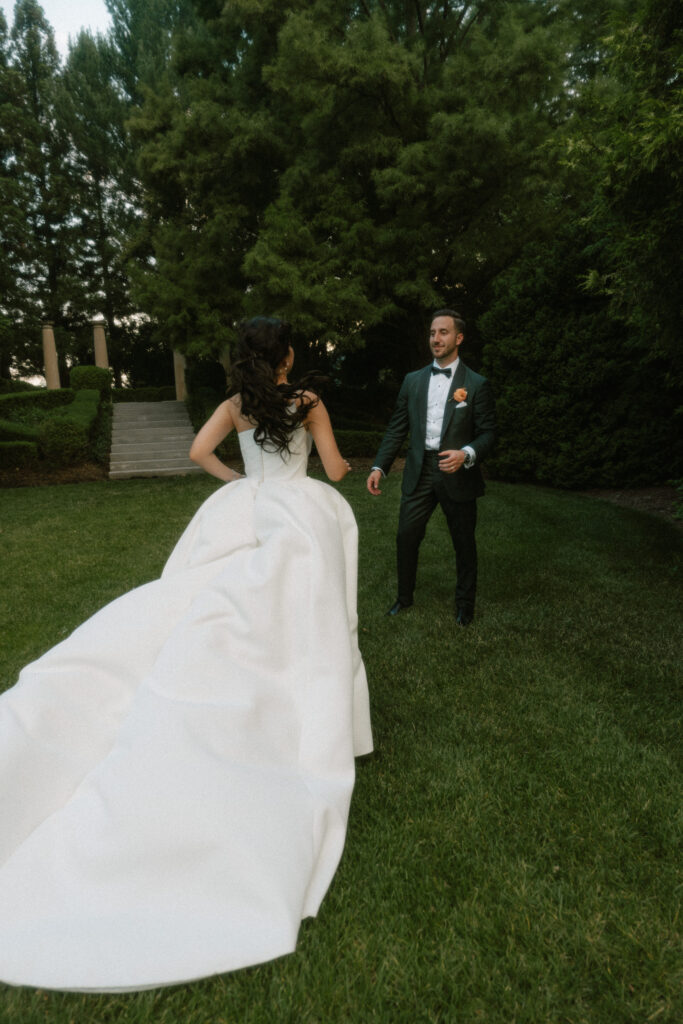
<point>460,395</point>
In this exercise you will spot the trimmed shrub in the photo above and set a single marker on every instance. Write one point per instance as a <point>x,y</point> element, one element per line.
<point>200,405</point>
<point>14,406</point>
<point>162,394</point>
<point>359,444</point>
<point>229,449</point>
<point>11,430</point>
<point>95,378</point>
<point>11,387</point>
<point>18,454</point>
<point>582,401</point>
<point>63,442</point>
<point>360,408</point>
<point>100,436</point>
<point>206,374</point>
<point>64,439</point>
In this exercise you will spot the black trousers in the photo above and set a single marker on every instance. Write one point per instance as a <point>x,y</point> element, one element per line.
<point>415,513</point>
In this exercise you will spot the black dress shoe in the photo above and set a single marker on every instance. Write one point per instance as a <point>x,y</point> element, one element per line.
<point>463,616</point>
<point>398,607</point>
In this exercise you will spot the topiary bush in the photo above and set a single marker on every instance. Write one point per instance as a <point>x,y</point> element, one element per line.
<point>200,405</point>
<point>206,375</point>
<point>18,454</point>
<point>11,387</point>
<point>582,402</point>
<point>360,408</point>
<point>64,439</point>
<point>97,378</point>
<point>162,394</point>
<point>360,444</point>
<point>19,406</point>
<point>62,442</point>
<point>11,430</point>
<point>100,435</point>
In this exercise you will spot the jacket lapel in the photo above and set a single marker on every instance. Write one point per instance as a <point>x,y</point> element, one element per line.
<point>457,382</point>
<point>422,392</point>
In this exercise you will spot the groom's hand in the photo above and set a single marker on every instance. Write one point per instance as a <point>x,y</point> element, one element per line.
<point>450,461</point>
<point>374,481</point>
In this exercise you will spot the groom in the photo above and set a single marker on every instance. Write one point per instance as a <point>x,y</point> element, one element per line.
<point>449,412</point>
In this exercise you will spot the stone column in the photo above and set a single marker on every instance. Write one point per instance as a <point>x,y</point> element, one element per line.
<point>179,372</point>
<point>50,358</point>
<point>100,340</point>
<point>226,361</point>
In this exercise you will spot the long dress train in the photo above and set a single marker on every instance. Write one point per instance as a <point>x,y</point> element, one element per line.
<point>175,777</point>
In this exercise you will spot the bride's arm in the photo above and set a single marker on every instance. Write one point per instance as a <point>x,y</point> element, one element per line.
<point>318,422</point>
<point>216,428</point>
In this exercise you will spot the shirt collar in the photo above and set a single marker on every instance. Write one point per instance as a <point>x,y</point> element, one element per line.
<point>451,366</point>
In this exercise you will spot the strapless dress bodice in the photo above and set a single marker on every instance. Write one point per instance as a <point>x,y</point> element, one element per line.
<point>264,464</point>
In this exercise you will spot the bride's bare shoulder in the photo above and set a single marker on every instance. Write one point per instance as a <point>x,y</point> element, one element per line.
<point>233,404</point>
<point>233,408</point>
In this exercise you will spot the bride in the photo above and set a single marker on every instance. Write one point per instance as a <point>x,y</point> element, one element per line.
<point>175,777</point>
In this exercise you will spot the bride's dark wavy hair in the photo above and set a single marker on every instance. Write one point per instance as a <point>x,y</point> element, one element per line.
<point>275,409</point>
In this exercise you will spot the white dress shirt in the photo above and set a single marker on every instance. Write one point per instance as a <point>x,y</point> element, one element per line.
<point>439,387</point>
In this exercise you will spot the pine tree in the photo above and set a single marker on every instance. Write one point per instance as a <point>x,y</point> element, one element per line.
<point>210,153</point>
<point>13,335</point>
<point>634,132</point>
<point>419,163</point>
<point>583,329</point>
<point>141,38</point>
<point>349,166</point>
<point>44,176</point>
<point>105,203</point>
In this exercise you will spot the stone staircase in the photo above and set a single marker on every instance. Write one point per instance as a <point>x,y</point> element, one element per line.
<point>151,439</point>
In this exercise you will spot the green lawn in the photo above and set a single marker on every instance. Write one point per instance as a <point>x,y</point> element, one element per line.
<point>513,852</point>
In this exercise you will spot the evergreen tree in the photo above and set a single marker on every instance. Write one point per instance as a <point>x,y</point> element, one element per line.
<point>635,137</point>
<point>141,37</point>
<point>579,405</point>
<point>105,202</point>
<point>13,338</point>
<point>583,330</point>
<point>210,153</point>
<point>418,166</point>
<point>349,166</point>
<point>44,178</point>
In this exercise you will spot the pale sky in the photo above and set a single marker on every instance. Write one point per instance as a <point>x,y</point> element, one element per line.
<point>67,18</point>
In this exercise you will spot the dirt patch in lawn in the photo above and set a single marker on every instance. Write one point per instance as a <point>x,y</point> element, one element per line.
<point>658,501</point>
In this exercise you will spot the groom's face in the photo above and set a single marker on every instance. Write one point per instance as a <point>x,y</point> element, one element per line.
<point>444,340</point>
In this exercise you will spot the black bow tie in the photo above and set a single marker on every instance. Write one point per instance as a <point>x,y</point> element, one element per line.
<point>447,371</point>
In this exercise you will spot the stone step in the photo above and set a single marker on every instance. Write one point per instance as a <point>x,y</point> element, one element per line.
<point>128,474</point>
<point>151,439</point>
<point>130,414</point>
<point>146,417</point>
<point>152,462</point>
<point>129,436</point>
<point>143,408</point>
<point>162,424</point>
<point>121,446</point>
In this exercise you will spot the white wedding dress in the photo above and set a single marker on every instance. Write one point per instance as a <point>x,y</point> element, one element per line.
<point>175,777</point>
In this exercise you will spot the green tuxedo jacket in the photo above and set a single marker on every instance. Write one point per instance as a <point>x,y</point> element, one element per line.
<point>473,424</point>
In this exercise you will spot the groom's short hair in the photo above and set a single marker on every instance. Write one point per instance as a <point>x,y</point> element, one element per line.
<point>455,317</point>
